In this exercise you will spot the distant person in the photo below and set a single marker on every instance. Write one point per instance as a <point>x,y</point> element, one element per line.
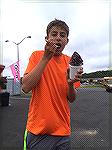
<point>47,76</point>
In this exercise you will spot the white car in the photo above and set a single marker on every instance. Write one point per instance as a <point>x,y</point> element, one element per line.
<point>108,84</point>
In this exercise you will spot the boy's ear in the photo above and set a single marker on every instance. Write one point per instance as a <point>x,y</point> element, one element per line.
<point>46,38</point>
<point>67,40</point>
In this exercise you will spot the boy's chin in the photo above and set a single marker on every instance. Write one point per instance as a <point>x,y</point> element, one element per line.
<point>58,53</point>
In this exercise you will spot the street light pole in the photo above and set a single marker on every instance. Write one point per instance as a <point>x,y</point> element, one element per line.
<point>18,52</point>
<point>17,44</point>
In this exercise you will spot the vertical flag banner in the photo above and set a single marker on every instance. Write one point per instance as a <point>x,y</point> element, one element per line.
<point>15,68</point>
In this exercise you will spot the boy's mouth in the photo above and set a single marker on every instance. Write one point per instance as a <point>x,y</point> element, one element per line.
<point>58,45</point>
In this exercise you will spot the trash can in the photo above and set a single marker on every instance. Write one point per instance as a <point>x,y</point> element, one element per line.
<point>4,98</point>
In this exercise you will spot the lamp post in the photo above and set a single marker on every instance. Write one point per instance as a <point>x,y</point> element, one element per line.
<point>17,44</point>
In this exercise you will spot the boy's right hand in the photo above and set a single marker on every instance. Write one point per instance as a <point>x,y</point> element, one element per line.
<point>50,49</point>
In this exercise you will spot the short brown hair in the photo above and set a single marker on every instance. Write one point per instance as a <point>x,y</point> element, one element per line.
<point>58,23</point>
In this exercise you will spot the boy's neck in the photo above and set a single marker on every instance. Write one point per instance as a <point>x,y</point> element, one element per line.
<point>57,55</point>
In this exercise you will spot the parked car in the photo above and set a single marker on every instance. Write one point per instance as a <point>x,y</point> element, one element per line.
<point>107,83</point>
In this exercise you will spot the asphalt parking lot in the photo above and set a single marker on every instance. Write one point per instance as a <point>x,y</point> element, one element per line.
<point>91,121</point>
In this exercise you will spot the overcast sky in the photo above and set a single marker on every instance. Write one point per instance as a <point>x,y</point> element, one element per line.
<point>89,30</point>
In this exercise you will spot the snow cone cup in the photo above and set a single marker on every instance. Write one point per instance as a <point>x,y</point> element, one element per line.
<point>73,71</point>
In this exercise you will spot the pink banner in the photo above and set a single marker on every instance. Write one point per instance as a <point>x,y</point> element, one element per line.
<point>15,68</point>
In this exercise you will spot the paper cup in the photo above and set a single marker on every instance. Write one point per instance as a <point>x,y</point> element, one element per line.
<point>73,71</point>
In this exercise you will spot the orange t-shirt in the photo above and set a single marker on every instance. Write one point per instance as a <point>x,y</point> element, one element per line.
<point>49,111</point>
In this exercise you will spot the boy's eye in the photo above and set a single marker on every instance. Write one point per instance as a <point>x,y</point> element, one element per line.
<point>53,34</point>
<point>62,34</point>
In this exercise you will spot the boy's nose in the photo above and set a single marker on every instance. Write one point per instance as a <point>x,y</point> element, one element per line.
<point>58,38</point>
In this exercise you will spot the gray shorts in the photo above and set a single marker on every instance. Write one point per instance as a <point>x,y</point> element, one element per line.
<point>47,142</point>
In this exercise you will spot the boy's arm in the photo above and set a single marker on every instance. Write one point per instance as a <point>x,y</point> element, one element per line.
<point>31,79</point>
<point>71,95</point>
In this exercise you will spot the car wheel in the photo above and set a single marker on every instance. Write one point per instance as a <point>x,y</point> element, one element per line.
<point>108,90</point>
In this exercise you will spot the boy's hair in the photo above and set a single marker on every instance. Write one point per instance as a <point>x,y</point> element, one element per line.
<point>58,23</point>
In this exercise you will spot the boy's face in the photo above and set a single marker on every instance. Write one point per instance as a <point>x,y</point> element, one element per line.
<point>59,37</point>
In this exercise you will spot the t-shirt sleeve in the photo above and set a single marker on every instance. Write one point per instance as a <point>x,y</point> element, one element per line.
<point>77,84</point>
<point>33,61</point>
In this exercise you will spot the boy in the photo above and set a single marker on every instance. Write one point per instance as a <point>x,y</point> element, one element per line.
<point>48,123</point>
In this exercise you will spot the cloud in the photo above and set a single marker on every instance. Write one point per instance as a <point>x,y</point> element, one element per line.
<point>88,22</point>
